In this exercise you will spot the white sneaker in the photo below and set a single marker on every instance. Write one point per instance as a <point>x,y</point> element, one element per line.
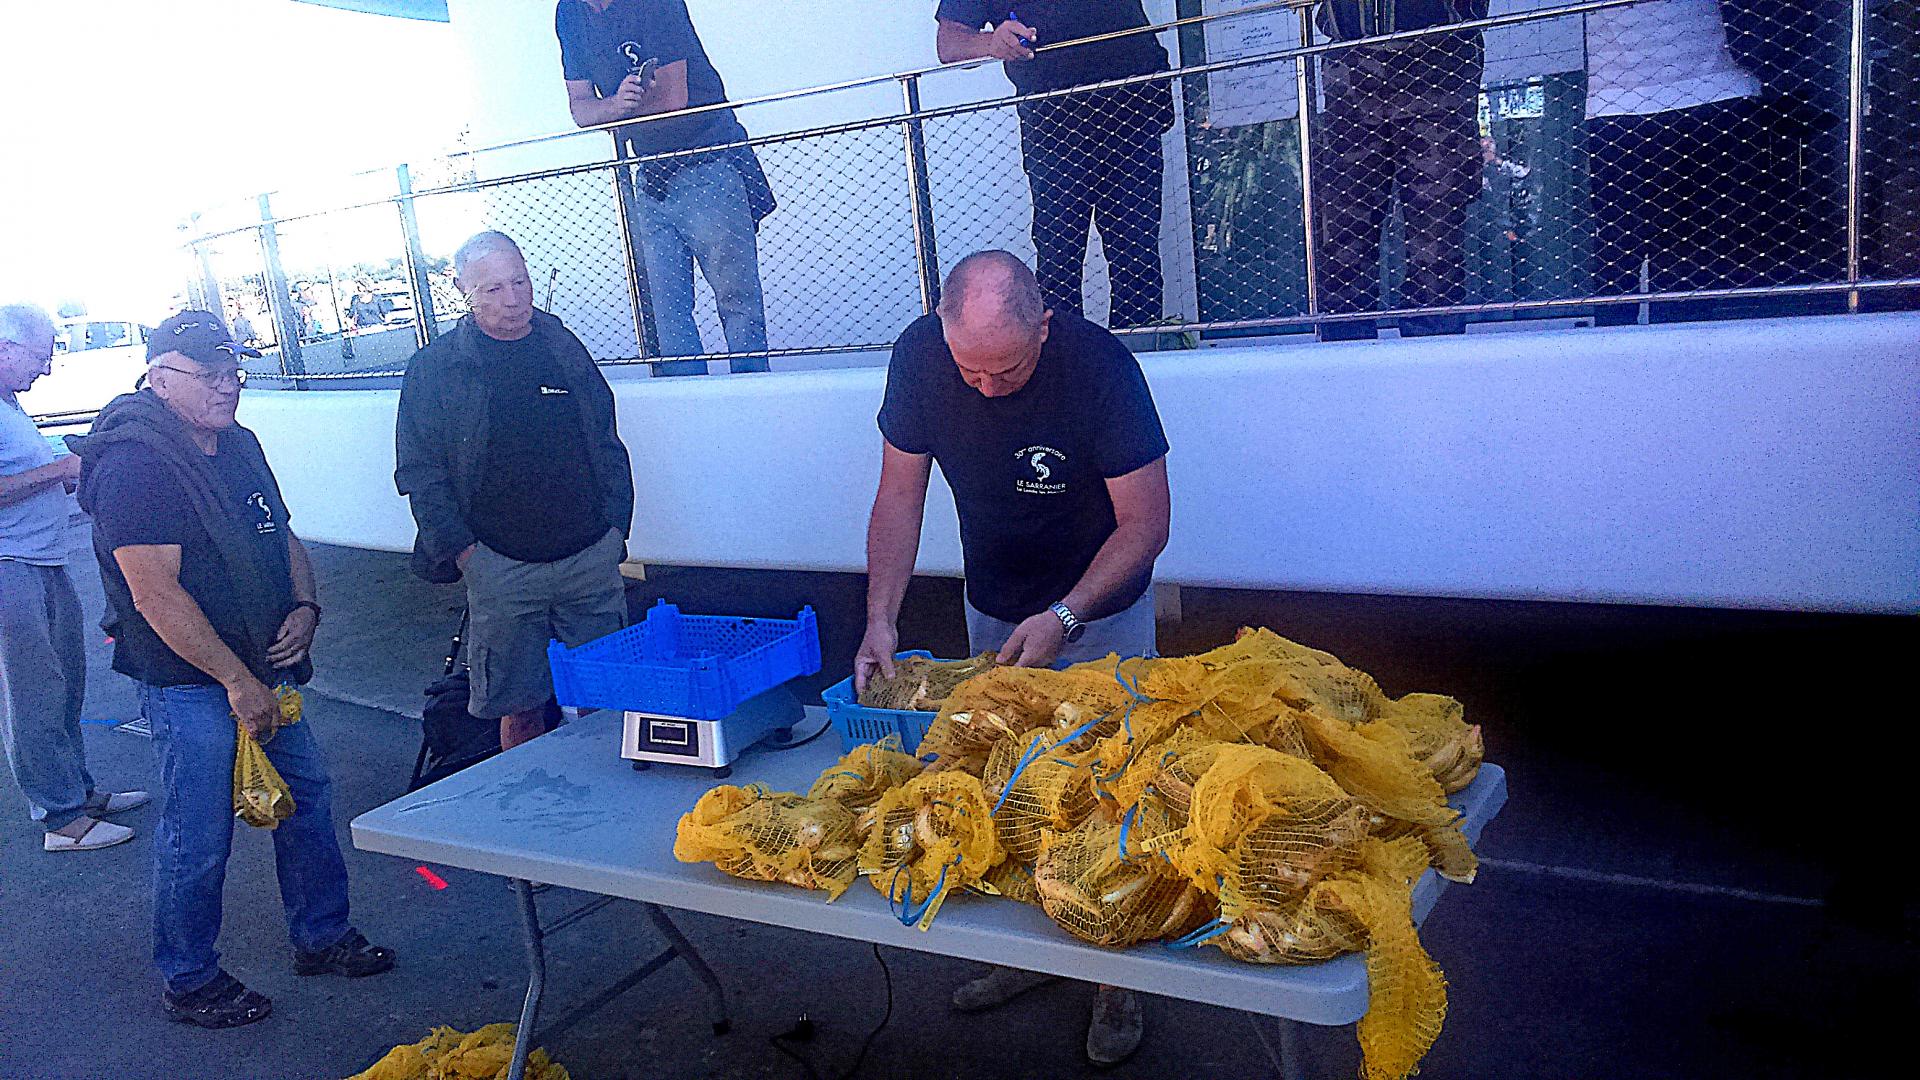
<point>116,802</point>
<point>93,833</point>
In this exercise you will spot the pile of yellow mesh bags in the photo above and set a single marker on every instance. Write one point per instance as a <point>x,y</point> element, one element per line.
<point>447,1054</point>
<point>1262,798</point>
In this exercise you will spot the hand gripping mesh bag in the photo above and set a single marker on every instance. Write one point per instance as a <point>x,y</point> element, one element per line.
<point>260,796</point>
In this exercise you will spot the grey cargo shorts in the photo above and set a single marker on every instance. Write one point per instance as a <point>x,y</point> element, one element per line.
<point>516,607</point>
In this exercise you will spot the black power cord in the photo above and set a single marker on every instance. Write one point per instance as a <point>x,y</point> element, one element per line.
<point>802,1031</point>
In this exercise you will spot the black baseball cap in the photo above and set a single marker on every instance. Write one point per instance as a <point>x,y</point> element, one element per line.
<point>198,336</point>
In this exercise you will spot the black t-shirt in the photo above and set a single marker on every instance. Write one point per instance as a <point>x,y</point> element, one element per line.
<point>138,501</point>
<point>1065,20</point>
<point>604,47</point>
<point>537,500</point>
<point>1029,470</point>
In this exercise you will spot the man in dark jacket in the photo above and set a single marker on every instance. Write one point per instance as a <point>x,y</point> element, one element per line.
<point>210,603</point>
<point>1399,114</point>
<point>507,449</point>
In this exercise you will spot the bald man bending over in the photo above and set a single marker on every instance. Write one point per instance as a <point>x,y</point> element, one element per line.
<point>1043,426</point>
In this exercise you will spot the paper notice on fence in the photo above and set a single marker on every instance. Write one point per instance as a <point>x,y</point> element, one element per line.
<point>1250,93</point>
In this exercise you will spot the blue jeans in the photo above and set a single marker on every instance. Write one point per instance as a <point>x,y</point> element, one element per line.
<point>705,218</point>
<point>193,739</point>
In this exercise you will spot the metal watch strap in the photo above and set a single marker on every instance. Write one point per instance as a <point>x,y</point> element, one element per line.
<point>1068,621</point>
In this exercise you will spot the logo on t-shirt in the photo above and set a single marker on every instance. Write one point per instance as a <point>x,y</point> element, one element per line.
<point>545,389</point>
<point>258,500</point>
<point>631,50</point>
<point>1034,474</point>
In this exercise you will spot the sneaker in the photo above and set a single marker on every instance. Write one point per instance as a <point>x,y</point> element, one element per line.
<point>222,1003</point>
<point>86,834</point>
<point>352,956</point>
<point>1116,1028</point>
<point>997,987</point>
<point>104,803</point>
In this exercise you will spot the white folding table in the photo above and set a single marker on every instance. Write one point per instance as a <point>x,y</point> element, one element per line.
<point>566,810</point>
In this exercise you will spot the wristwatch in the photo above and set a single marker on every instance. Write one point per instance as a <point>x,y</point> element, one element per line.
<point>1068,621</point>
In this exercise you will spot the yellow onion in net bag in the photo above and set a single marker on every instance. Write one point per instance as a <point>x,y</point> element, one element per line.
<point>934,835</point>
<point>864,773</point>
<point>446,1054</point>
<point>261,797</point>
<point>765,835</point>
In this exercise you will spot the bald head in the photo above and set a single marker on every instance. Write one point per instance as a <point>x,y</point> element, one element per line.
<point>994,321</point>
<point>992,289</point>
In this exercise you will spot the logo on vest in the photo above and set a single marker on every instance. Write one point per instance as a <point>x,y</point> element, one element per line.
<point>258,500</point>
<point>1034,474</point>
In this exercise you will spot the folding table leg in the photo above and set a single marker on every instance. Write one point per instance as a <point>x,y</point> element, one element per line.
<point>717,1007</point>
<point>536,979</point>
<point>1282,1041</point>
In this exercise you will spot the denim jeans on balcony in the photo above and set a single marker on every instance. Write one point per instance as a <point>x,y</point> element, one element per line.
<point>704,217</point>
<point>193,740</point>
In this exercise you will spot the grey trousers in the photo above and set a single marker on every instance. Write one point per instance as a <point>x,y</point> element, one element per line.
<point>43,682</point>
<point>1129,632</point>
<point>517,607</point>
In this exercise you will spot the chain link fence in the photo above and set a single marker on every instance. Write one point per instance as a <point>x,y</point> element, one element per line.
<point>1339,166</point>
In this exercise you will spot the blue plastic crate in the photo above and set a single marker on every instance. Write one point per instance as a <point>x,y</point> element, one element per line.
<point>697,666</point>
<point>858,724</point>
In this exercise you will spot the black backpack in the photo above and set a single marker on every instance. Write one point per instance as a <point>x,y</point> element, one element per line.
<point>451,738</point>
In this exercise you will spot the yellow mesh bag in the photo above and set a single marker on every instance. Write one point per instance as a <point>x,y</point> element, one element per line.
<point>764,835</point>
<point>1013,701</point>
<point>857,780</point>
<point>1097,896</point>
<point>1013,880</point>
<point>1279,859</point>
<point>1244,787</point>
<point>260,797</point>
<point>933,835</point>
<point>1051,792</point>
<point>921,683</point>
<point>446,1054</point>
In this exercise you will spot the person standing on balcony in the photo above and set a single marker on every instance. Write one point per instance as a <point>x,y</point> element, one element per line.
<point>1703,176</point>
<point>1044,428</point>
<point>211,603</point>
<point>1092,158</point>
<point>628,59</point>
<point>507,451</point>
<point>1400,116</point>
<point>43,661</point>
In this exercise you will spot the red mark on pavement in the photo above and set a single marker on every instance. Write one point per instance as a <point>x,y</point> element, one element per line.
<point>433,879</point>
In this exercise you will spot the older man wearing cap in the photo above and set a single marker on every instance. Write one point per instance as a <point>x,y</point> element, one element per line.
<point>43,663</point>
<point>211,602</point>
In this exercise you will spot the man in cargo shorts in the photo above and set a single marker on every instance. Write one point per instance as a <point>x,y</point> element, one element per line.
<point>1044,428</point>
<point>507,450</point>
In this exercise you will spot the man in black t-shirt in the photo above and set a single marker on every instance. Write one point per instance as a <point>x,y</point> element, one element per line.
<point>210,601</point>
<point>519,483</point>
<point>1044,428</point>
<point>628,59</point>
<point>1092,157</point>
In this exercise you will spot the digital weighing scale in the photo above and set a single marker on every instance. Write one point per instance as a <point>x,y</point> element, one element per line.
<point>648,737</point>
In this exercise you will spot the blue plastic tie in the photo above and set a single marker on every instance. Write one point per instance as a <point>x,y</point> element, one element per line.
<point>1126,824</point>
<point>909,914</point>
<point>1204,934</point>
<point>1039,747</point>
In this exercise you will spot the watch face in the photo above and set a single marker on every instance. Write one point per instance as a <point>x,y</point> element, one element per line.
<point>1079,630</point>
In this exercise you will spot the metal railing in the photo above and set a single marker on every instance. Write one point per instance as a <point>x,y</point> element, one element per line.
<point>1542,160</point>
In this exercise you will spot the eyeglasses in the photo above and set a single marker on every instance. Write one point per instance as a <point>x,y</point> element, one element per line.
<point>213,380</point>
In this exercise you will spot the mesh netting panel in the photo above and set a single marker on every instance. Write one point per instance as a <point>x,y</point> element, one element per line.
<point>771,836</point>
